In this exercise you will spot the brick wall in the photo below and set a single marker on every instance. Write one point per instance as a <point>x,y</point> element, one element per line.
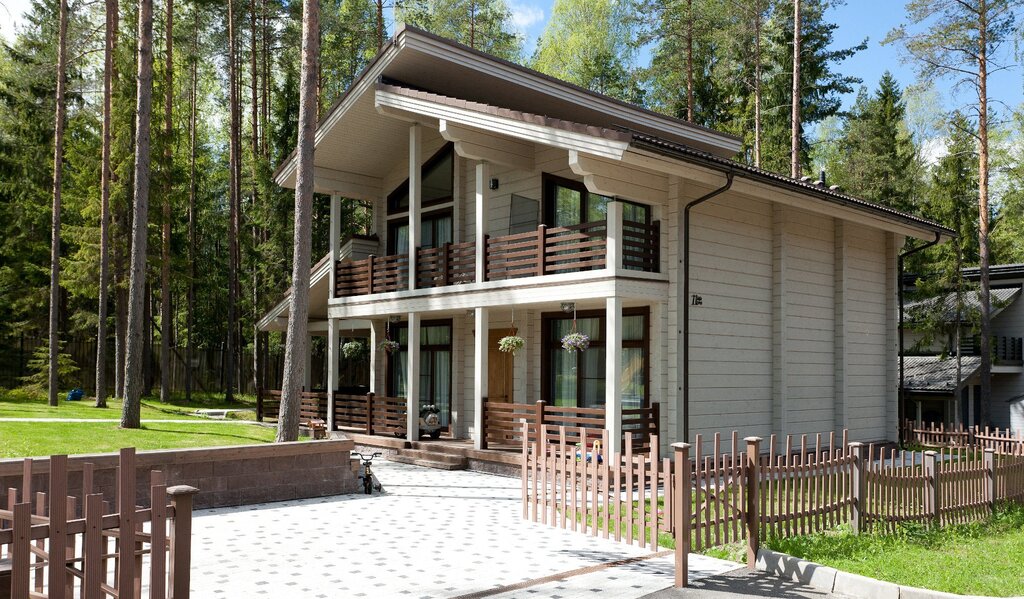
<point>225,476</point>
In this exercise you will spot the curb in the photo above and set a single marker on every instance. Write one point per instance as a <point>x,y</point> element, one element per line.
<point>830,580</point>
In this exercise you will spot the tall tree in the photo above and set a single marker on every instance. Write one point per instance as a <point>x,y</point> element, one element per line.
<point>482,24</point>
<point>796,98</point>
<point>192,224</point>
<point>964,40</point>
<point>166,318</point>
<point>234,193</point>
<point>298,306</point>
<point>105,174</point>
<point>58,170</point>
<point>130,413</point>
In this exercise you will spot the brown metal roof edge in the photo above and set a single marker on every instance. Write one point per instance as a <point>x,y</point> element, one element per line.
<point>526,117</point>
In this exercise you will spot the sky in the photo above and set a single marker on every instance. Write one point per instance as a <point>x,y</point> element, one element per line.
<point>857,20</point>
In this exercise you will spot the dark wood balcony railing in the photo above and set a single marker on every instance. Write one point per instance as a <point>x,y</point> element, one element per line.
<point>545,251</point>
<point>1005,350</point>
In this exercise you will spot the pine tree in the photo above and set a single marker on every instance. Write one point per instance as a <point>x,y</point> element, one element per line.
<point>485,25</point>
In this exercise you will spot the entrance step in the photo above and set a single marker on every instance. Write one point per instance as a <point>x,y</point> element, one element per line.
<point>430,459</point>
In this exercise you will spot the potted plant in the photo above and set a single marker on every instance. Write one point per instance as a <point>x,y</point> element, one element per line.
<point>354,350</point>
<point>430,420</point>
<point>510,344</point>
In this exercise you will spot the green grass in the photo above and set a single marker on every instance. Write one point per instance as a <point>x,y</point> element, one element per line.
<point>983,558</point>
<point>23,439</point>
<point>21,403</point>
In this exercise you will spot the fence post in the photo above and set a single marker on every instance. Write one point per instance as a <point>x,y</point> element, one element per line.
<point>181,540</point>
<point>858,487</point>
<point>542,242</point>
<point>681,512</point>
<point>931,495</point>
<point>539,416</point>
<point>990,478</point>
<point>370,267</point>
<point>369,413</point>
<point>656,416</point>
<point>753,483</point>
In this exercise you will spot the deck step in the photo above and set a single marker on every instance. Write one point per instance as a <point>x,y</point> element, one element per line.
<point>429,463</point>
<point>436,456</point>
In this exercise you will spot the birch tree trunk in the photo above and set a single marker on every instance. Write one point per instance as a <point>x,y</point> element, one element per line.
<point>108,93</point>
<point>298,307</point>
<point>794,150</point>
<point>58,172</point>
<point>140,220</point>
<point>165,250</point>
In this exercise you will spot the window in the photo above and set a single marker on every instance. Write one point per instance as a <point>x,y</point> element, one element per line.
<point>436,231</point>
<point>567,203</point>
<point>438,183</point>
<point>435,366</point>
<point>578,379</point>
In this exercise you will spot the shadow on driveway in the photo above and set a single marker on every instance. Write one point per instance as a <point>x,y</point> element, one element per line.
<point>740,584</point>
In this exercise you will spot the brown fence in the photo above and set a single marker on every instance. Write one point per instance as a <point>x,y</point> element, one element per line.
<point>449,264</point>
<point>61,548</point>
<point>503,422</point>
<point>1002,440</point>
<point>641,246</point>
<point>737,491</point>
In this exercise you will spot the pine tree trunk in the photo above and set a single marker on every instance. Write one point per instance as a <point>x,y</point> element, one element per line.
<point>130,414</point>
<point>257,162</point>
<point>190,308</point>
<point>165,250</point>
<point>380,25</point>
<point>233,198</point>
<point>58,172</point>
<point>689,61</point>
<point>985,372</point>
<point>108,92</point>
<point>794,149</point>
<point>757,83</point>
<point>298,308</point>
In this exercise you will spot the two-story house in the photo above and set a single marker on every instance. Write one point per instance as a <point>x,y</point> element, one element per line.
<point>933,361</point>
<point>507,201</point>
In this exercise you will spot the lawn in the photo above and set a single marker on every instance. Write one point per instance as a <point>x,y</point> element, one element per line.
<point>21,439</point>
<point>20,403</point>
<point>984,558</point>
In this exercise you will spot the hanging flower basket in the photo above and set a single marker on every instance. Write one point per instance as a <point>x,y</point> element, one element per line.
<point>510,344</point>
<point>355,350</point>
<point>388,346</point>
<point>575,342</point>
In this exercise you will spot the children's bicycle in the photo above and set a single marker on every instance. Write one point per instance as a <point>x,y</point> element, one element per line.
<point>369,484</point>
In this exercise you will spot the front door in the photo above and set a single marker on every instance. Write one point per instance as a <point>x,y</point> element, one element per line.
<point>499,369</point>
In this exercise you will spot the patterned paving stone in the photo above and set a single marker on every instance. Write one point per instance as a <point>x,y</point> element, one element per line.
<point>431,534</point>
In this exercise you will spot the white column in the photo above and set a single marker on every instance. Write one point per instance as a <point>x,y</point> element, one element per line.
<point>482,177</point>
<point>415,196</point>
<point>307,381</point>
<point>481,333</point>
<point>332,369</point>
<point>613,374</point>
<point>335,241</point>
<point>614,244</point>
<point>376,357</point>
<point>412,373</point>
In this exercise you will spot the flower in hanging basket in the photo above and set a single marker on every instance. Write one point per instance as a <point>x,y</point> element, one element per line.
<point>388,346</point>
<point>354,350</point>
<point>510,344</point>
<point>574,342</point>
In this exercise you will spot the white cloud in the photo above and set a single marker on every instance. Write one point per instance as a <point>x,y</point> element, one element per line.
<point>525,16</point>
<point>11,16</point>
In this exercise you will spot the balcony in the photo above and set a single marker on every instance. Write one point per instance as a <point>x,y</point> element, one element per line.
<point>545,251</point>
<point>1006,351</point>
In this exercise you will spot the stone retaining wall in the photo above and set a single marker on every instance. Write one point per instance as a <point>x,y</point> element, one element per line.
<point>225,476</point>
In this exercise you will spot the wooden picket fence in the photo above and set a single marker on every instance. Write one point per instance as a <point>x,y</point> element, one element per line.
<point>1002,440</point>
<point>743,490</point>
<point>58,546</point>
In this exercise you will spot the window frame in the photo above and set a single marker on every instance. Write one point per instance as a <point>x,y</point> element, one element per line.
<point>434,160</point>
<point>450,348</point>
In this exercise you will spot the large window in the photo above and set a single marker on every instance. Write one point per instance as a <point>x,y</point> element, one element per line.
<point>567,203</point>
<point>435,366</point>
<point>437,186</point>
<point>578,379</point>
<point>436,231</point>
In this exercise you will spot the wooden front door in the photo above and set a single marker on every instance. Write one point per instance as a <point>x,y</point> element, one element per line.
<point>499,369</point>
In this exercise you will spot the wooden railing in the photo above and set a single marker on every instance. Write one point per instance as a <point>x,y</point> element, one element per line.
<point>450,264</point>
<point>370,414</point>
<point>1005,350</point>
<point>546,251</point>
<point>79,546</point>
<point>1002,440</point>
<point>641,246</point>
<point>268,404</point>
<point>503,422</point>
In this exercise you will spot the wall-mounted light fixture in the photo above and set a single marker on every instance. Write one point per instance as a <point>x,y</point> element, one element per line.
<point>493,183</point>
<point>568,307</point>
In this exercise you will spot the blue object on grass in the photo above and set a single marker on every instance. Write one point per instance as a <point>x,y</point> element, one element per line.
<point>75,395</point>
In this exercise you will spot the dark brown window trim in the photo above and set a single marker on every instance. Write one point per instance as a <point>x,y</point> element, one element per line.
<point>548,184</point>
<point>548,345</point>
<point>426,166</point>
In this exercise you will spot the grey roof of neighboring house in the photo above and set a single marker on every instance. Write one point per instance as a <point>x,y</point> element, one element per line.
<point>934,374</point>
<point>1000,299</point>
<point>996,271</point>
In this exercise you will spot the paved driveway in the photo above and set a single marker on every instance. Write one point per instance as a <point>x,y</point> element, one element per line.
<point>432,534</point>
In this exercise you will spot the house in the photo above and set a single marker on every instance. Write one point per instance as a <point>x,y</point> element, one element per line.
<point>930,362</point>
<point>507,201</point>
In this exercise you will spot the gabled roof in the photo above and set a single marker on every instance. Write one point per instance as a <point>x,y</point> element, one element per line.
<point>935,374</point>
<point>946,304</point>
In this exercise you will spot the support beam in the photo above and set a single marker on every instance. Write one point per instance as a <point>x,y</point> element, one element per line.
<point>613,375</point>
<point>482,175</point>
<point>412,380</point>
<point>335,240</point>
<point>614,237</point>
<point>612,178</point>
<point>349,185</point>
<point>480,369</point>
<point>376,358</point>
<point>332,369</point>
<point>415,197</point>
<point>475,144</point>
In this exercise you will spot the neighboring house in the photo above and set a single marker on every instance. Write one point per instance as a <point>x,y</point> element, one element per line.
<point>517,200</point>
<point>930,365</point>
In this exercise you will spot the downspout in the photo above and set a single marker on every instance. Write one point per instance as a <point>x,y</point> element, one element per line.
<point>686,298</point>
<point>900,408</point>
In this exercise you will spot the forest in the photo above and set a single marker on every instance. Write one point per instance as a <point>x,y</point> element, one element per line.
<point>225,101</point>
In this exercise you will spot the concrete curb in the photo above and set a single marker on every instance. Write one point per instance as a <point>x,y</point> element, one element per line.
<point>830,580</point>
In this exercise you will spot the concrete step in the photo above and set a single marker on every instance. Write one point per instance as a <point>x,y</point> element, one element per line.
<point>428,463</point>
<point>437,456</point>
